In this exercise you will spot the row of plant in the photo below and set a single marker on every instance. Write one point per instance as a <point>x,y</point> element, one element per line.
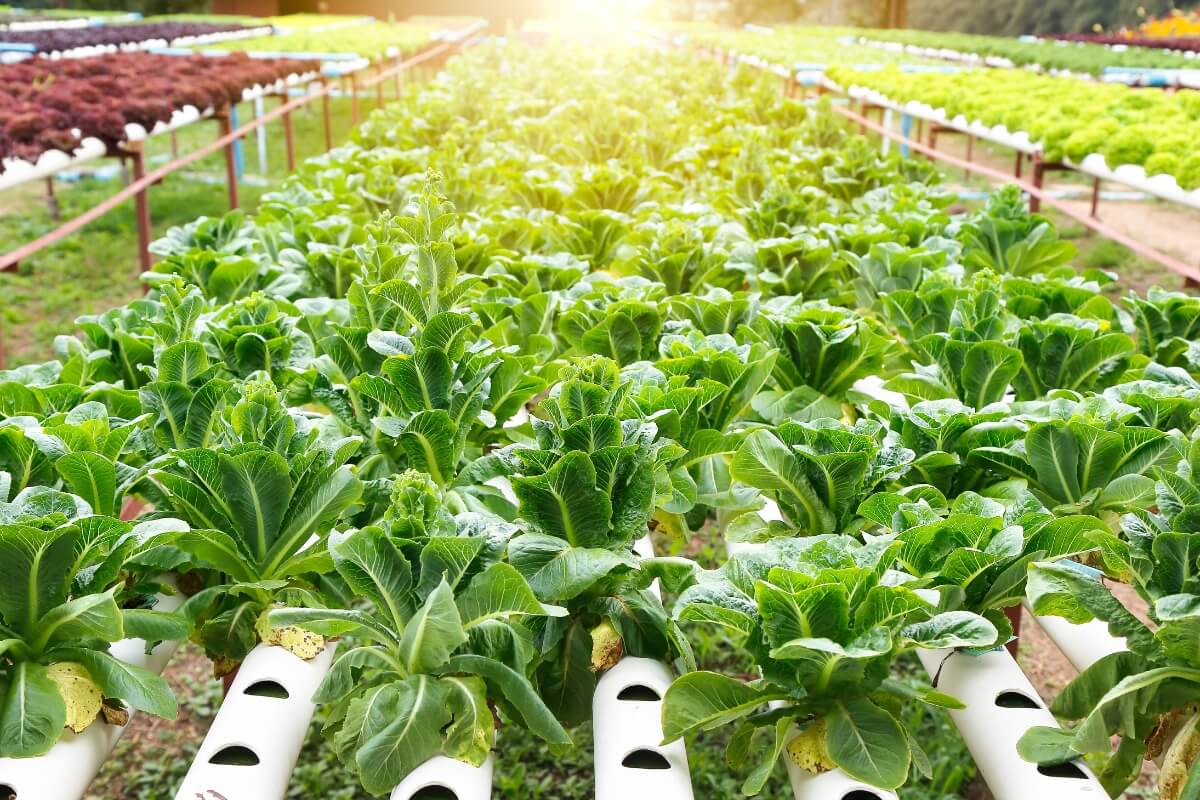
<point>641,295</point>
<point>55,104</point>
<point>792,45</point>
<point>1087,55</point>
<point>372,40</point>
<point>58,40</point>
<point>1178,42</point>
<point>1153,130</point>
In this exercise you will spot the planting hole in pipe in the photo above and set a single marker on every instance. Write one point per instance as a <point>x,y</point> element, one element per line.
<point>1011,699</point>
<point>234,755</point>
<point>7,792</point>
<point>645,759</point>
<point>1068,770</point>
<point>640,693</point>
<point>435,792</point>
<point>268,689</point>
<point>861,794</point>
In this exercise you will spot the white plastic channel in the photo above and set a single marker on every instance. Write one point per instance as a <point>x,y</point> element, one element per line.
<point>272,729</point>
<point>460,779</point>
<point>1083,645</point>
<point>832,785</point>
<point>1001,704</point>
<point>630,759</point>
<point>66,771</point>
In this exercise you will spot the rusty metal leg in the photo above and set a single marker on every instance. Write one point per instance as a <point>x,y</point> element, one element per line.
<point>1014,616</point>
<point>142,206</point>
<point>1020,163</point>
<point>230,159</point>
<point>174,146</point>
<point>52,200</point>
<point>862,112</point>
<point>970,153</point>
<point>1095,197</point>
<point>396,76</point>
<point>289,140</point>
<point>1039,174</point>
<point>354,98</point>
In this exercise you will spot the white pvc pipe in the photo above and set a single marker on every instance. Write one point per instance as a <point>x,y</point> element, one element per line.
<point>270,728</point>
<point>632,729</point>
<point>66,771</point>
<point>630,761</point>
<point>989,685</point>
<point>1083,645</point>
<point>463,780</point>
<point>832,785</point>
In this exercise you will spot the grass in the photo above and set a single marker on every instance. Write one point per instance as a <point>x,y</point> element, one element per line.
<point>96,268</point>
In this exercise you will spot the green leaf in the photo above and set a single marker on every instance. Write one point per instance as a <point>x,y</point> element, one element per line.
<point>498,591</point>
<point>867,743</point>
<point>155,626</point>
<point>1054,455</point>
<point>34,573</point>
<point>469,737</point>
<point>951,629</point>
<point>701,701</point>
<point>766,463</point>
<point>434,632</point>
<point>92,477</point>
<point>516,691</point>
<point>564,502</point>
<point>258,490</point>
<point>137,686</point>
<point>93,616</point>
<point>400,731</point>
<point>558,572</point>
<point>987,372</point>
<point>373,566</point>
<point>33,714</point>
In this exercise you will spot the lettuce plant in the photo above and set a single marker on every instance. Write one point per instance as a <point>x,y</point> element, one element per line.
<point>1168,325</point>
<point>1068,352</point>
<point>65,595</point>
<point>438,647</point>
<point>819,472</point>
<point>696,394</point>
<point>1084,463</point>
<point>823,351</point>
<point>824,629</point>
<point>943,434</point>
<point>1146,695</point>
<point>976,550</point>
<point>585,495</point>
<point>254,507</point>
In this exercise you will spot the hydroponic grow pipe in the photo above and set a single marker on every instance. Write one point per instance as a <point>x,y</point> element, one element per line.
<point>1001,704</point>
<point>252,745</point>
<point>1084,644</point>
<point>65,772</point>
<point>629,759</point>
